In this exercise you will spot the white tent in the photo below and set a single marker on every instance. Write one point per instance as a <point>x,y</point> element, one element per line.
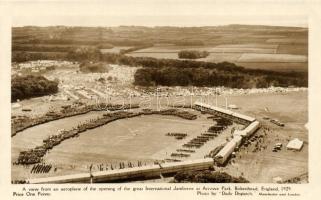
<point>295,144</point>
<point>277,180</point>
<point>16,105</point>
<point>232,106</point>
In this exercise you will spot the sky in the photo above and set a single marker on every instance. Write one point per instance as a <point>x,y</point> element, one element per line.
<point>158,13</point>
<point>168,20</point>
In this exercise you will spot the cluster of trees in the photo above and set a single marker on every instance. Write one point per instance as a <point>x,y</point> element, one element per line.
<point>21,56</point>
<point>192,54</point>
<point>42,48</point>
<point>93,67</point>
<point>173,63</point>
<point>168,76</point>
<point>23,87</point>
<point>92,41</point>
<point>55,47</point>
<point>84,53</point>
<point>207,177</point>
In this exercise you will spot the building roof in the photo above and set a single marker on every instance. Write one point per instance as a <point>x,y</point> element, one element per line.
<point>222,110</point>
<point>226,149</point>
<point>295,144</point>
<point>241,133</point>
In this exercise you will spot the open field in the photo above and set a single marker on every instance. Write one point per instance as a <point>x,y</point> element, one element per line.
<point>228,48</point>
<point>266,165</point>
<point>249,45</point>
<point>264,58</point>
<point>276,66</point>
<point>114,49</point>
<point>168,55</point>
<point>293,49</point>
<point>288,40</point>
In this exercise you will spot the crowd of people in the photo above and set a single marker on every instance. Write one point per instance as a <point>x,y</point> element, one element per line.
<point>120,165</point>
<point>178,136</point>
<point>78,108</point>
<point>41,168</point>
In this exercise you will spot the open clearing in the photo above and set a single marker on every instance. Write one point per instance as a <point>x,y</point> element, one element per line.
<point>265,165</point>
<point>257,57</point>
<point>116,49</point>
<point>276,66</point>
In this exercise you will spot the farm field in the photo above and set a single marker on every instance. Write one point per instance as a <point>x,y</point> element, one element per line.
<point>253,56</point>
<point>233,43</point>
<point>287,58</point>
<point>276,66</point>
<point>293,49</point>
<point>272,55</point>
<point>114,49</point>
<point>168,55</point>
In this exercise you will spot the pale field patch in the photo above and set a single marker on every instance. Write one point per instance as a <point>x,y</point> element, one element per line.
<point>255,57</point>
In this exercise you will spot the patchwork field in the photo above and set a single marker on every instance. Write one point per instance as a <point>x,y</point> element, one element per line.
<point>278,57</point>
<point>232,43</point>
<point>264,58</point>
<point>302,66</point>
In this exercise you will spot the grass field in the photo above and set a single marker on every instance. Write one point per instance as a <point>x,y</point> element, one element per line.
<point>222,57</point>
<point>276,66</point>
<point>288,40</point>
<point>286,58</point>
<point>114,49</point>
<point>168,55</point>
<point>293,49</point>
<point>265,165</point>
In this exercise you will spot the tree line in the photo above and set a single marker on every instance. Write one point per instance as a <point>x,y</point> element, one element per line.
<point>23,87</point>
<point>168,76</point>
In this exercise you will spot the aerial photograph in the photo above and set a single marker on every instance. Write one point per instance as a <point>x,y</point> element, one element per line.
<point>159,104</point>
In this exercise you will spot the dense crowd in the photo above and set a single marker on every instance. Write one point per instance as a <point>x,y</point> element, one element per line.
<point>19,124</point>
